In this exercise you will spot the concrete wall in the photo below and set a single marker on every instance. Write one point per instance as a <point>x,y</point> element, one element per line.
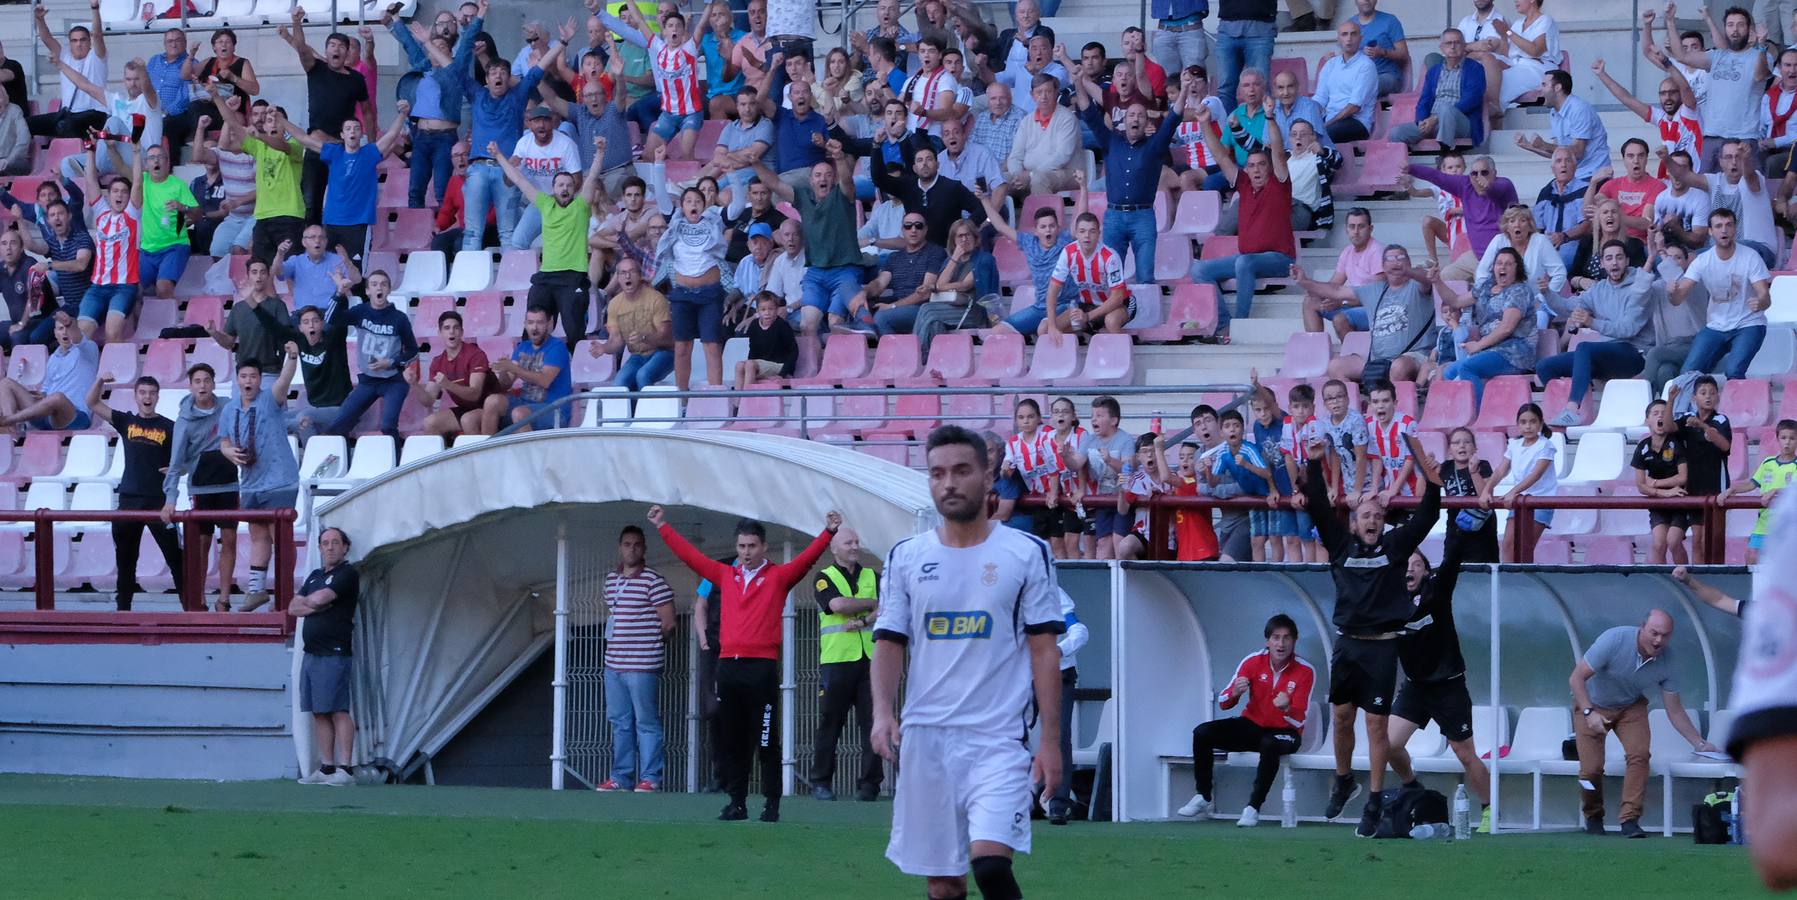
<point>214,711</point>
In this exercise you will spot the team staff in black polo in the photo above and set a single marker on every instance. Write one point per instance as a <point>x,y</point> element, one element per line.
<point>145,439</point>
<point>327,602</point>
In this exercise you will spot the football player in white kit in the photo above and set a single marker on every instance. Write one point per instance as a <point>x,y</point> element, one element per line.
<point>975,605</point>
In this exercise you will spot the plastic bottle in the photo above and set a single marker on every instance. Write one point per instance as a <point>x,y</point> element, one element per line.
<point>1462,814</point>
<point>1288,796</point>
<point>1435,832</point>
<point>1736,834</point>
<point>1154,425</point>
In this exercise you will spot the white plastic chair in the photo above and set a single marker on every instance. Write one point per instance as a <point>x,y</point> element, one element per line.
<point>91,495</point>
<point>1777,356</point>
<point>650,406</point>
<point>326,457</point>
<point>470,274</point>
<point>1784,300</point>
<point>1601,457</point>
<point>419,447</point>
<point>1620,409</point>
<point>86,459</point>
<point>468,440</point>
<point>424,274</point>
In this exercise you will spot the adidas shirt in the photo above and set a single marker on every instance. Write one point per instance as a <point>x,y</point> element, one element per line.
<point>963,613</point>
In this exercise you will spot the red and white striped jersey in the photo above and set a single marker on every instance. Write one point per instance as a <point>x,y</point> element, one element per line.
<point>1079,441</point>
<point>1679,132</point>
<point>677,77</point>
<point>1295,439</point>
<point>1389,450</point>
<point>1453,213</point>
<point>1091,277</point>
<point>1142,485</point>
<point>1035,458</point>
<point>1189,147</point>
<point>115,244</point>
<point>926,88</point>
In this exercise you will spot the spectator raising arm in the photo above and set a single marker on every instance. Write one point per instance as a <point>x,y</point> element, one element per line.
<point>98,31</point>
<point>512,174</point>
<point>41,13</point>
<point>296,38</point>
<point>401,117</point>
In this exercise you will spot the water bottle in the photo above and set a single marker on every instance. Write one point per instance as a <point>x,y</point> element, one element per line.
<point>1735,832</point>
<point>1435,832</point>
<point>1463,816</point>
<point>1288,796</point>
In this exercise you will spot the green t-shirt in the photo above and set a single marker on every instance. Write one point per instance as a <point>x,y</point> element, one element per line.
<point>564,233</point>
<point>277,179</point>
<point>161,227</point>
<point>829,227</point>
<point>1772,475</point>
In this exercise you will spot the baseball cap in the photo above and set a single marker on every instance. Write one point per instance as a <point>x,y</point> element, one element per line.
<point>760,229</point>
<point>540,112</point>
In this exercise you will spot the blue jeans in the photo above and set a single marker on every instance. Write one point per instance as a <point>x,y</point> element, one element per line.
<point>1241,44</point>
<point>483,189</point>
<point>1734,349</point>
<point>1592,359</point>
<point>896,319</point>
<point>430,162</point>
<point>839,282</point>
<point>635,727</point>
<point>1244,268</point>
<point>643,369</point>
<point>644,112</point>
<point>392,393</point>
<point>1479,368</point>
<point>1136,228</point>
<point>528,229</point>
<point>1028,320</point>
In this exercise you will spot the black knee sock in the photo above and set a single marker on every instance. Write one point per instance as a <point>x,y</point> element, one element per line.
<point>327,768</point>
<point>993,876</point>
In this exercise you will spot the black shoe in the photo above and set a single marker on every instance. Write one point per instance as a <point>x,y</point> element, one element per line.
<point>1595,825</point>
<point>867,793</point>
<point>771,812</point>
<point>1306,22</point>
<point>1345,789</point>
<point>1631,828</point>
<point>1369,818</point>
<point>733,812</point>
<point>822,792</point>
<point>1058,812</point>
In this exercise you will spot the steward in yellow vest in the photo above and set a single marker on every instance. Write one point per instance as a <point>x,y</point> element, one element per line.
<point>847,596</point>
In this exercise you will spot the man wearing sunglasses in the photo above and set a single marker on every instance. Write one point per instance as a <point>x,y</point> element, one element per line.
<point>1484,197</point>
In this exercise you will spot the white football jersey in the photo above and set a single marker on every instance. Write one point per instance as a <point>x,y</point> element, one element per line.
<point>964,613</point>
<point>1765,694</point>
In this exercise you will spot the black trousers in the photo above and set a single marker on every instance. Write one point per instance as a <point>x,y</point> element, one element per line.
<point>1063,792</point>
<point>268,234</point>
<point>564,295</point>
<point>847,686</point>
<point>1239,735</point>
<point>65,124</point>
<point>127,538</point>
<point>749,720</point>
<point>353,238</point>
<point>314,175</point>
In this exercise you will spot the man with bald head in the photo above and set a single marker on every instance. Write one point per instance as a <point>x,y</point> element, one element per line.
<point>1609,693</point>
<point>1348,87</point>
<point>847,598</point>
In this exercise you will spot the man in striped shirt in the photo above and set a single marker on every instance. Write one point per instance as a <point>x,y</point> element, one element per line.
<point>674,59</point>
<point>639,615</point>
<point>1094,274</point>
<point>1395,471</point>
<point>114,222</point>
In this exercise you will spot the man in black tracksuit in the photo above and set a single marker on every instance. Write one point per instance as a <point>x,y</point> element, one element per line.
<point>1372,606</point>
<point>1434,685</point>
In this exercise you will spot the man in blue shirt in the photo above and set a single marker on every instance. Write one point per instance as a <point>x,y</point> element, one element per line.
<point>799,132</point>
<point>436,101</point>
<point>498,119</point>
<point>309,274</point>
<point>1132,160</point>
<point>171,76</point>
<point>1575,124</point>
<point>349,200</point>
<point>540,368</point>
<point>1382,40</point>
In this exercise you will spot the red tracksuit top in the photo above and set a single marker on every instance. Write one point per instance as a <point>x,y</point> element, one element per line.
<point>1263,684</point>
<point>748,614</point>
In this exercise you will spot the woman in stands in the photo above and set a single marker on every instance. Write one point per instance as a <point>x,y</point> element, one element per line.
<point>234,74</point>
<point>1605,216</point>
<point>1531,49</point>
<point>841,89</point>
<point>1532,457</point>
<point>1464,474</point>
<point>1503,309</point>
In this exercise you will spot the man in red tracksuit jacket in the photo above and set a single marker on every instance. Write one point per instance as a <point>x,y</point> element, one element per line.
<point>751,596</point>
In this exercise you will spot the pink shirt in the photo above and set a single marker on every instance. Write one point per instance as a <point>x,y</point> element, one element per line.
<point>1362,267</point>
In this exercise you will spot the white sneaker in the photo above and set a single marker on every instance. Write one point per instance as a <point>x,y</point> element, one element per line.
<point>313,777</point>
<point>1568,417</point>
<point>1195,807</point>
<point>340,778</point>
<point>1250,817</point>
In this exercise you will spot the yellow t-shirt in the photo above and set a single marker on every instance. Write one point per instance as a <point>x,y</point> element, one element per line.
<point>1770,476</point>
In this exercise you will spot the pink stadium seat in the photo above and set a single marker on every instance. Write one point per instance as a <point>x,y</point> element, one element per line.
<point>711,406</point>
<point>515,269</point>
<point>1406,391</point>
<point>1192,311</point>
<point>1554,398</point>
<point>1197,213</point>
<point>749,408</point>
<point>1295,66</point>
<point>193,278</point>
<point>1552,552</point>
<point>1450,406</point>
<point>119,360</point>
<point>153,315</point>
<point>498,347</point>
<point>1026,216</point>
<point>1747,402</point>
<point>1022,298</point>
<point>1490,446</point>
<point>1109,359</point>
<point>1402,112</point>
<point>1052,363</point>
<point>210,353</point>
<point>1503,396</point>
<point>1434,443</point>
<point>27,364</point>
<point>951,357</point>
<point>425,313</point>
<point>386,260</point>
<point>1218,246</point>
<point>166,361</point>
<point>679,170</point>
<point>50,161</point>
<point>1608,550</point>
<point>1307,355</point>
<point>1357,343</point>
<point>915,413</point>
<point>1001,357</point>
<point>1172,257</point>
<point>93,562</point>
<point>1377,171</point>
<point>708,139</point>
<point>207,311</point>
<point>392,192</point>
<point>1013,269</point>
<point>859,413</point>
<point>886,446</point>
<point>897,358</point>
<point>588,370</point>
<point>973,411</point>
<point>484,315</point>
<point>844,359</point>
<point>411,228</point>
<point>40,454</point>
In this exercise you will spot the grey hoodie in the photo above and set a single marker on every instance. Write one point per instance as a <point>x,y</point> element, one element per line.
<point>196,453</point>
<point>1621,312</point>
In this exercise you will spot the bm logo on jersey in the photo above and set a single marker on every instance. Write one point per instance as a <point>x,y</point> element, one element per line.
<point>958,626</point>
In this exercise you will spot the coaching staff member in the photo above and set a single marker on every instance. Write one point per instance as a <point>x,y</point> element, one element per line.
<point>1372,605</point>
<point>327,601</point>
<point>751,595</point>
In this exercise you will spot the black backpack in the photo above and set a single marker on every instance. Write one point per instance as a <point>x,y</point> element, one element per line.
<point>1402,809</point>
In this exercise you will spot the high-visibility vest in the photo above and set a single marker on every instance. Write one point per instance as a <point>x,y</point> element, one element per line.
<point>835,642</point>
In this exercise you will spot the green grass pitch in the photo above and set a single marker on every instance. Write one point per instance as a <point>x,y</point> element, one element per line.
<point>91,837</point>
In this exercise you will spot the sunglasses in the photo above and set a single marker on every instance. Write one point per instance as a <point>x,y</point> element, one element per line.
<point>1483,173</point>
<point>913,226</point>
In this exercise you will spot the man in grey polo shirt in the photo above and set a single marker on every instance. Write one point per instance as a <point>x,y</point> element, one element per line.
<point>1609,693</point>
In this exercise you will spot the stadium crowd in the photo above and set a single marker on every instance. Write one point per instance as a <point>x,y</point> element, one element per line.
<point>692,175</point>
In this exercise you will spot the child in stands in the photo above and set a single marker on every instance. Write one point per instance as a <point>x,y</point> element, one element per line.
<point>1393,471</point>
<point>1532,457</point>
<point>1771,478</point>
<point>1300,430</point>
<point>1344,428</point>
<point>1465,475</point>
<point>1030,453</point>
<point>1274,530</point>
<point>1708,438</point>
<point>1237,463</point>
<point>1661,471</point>
<point>1193,537</point>
<point>773,348</point>
<point>1143,476</point>
<point>1072,445</point>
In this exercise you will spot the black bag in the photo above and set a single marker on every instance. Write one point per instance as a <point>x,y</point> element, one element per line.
<point>1707,823</point>
<point>1402,809</point>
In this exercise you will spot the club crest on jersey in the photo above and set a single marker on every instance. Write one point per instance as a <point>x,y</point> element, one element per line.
<point>958,625</point>
<point>990,576</point>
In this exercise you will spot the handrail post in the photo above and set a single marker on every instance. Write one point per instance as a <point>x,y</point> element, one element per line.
<point>193,565</point>
<point>46,561</point>
<point>1157,531</point>
<point>283,558</point>
<point>1715,537</point>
